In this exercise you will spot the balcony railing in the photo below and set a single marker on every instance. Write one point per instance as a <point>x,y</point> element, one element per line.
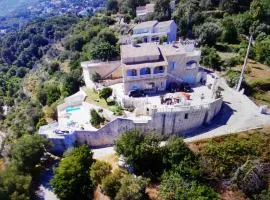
<point>159,74</point>
<point>145,75</point>
<point>132,77</point>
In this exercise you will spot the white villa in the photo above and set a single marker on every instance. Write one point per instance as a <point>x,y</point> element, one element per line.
<point>149,66</point>
<point>146,66</point>
<point>152,31</point>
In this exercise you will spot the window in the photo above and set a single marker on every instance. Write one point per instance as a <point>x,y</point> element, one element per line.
<point>172,65</point>
<point>155,39</point>
<point>145,39</point>
<point>145,71</point>
<point>131,72</point>
<point>158,70</point>
<point>134,87</point>
<point>186,115</point>
<point>191,64</point>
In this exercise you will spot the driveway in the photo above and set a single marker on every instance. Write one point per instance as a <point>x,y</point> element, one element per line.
<point>238,114</point>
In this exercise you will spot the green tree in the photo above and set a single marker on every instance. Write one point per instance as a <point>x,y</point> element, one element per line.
<point>229,33</point>
<point>111,184</point>
<point>41,95</point>
<point>72,82</point>
<point>96,119</point>
<point>71,178</point>
<point>74,43</point>
<point>262,51</point>
<point>243,22</point>
<point>210,57</point>
<point>102,51</point>
<point>14,185</point>
<point>141,151</point>
<point>162,10</point>
<point>132,188</point>
<point>27,151</point>
<point>187,15</point>
<point>259,10</point>
<point>112,5</point>
<point>208,33</point>
<point>230,6</point>
<point>53,67</point>
<point>179,157</point>
<point>99,170</point>
<point>105,93</point>
<point>107,35</point>
<point>53,93</point>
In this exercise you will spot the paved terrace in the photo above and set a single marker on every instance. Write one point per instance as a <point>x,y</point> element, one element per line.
<point>155,100</point>
<point>238,114</point>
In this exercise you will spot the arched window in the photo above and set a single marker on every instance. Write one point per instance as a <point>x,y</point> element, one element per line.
<point>158,70</point>
<point>132,72</point>
<point>189,63</point>
<point>145,71</point>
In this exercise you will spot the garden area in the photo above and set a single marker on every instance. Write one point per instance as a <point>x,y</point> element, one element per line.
<point>98,99</point>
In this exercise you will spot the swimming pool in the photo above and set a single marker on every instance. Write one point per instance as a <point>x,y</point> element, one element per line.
<point>71,109</point>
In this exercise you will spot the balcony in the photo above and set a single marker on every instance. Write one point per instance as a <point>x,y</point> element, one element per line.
<point>159,71</point>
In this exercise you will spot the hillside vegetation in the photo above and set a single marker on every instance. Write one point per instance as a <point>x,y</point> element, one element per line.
<point>40,66</point>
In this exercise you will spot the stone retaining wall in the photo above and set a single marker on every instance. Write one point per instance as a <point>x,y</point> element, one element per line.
<point>165,123</point>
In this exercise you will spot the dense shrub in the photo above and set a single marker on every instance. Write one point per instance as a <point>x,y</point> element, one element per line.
<point>210,57</point>
<point>111,184</point>
<point>173,186</point>
<point>105,93</point>
<point>220,159</point>
<point>99,170</point>
<point>132,188</point>
<point>262,51</point>
<point>96,119</point>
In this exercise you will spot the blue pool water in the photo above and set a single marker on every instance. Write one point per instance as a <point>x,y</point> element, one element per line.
<point>71,109</point>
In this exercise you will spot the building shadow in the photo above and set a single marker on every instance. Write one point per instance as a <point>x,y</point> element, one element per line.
<point>220,119</point>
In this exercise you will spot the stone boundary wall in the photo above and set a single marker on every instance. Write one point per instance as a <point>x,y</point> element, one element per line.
<point>133,102</point>
<point>110,82</point>
<point>164,123</point>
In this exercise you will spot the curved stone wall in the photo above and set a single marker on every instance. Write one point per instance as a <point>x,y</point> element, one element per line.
<point>164,122</point>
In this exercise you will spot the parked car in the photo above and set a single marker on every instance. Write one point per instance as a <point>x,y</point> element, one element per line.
<point>179,87</point>
<point>136,93</point>
<point>173,87</point>
<point>187,88</point>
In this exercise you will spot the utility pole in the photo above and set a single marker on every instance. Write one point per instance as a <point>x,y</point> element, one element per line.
<point>244,66</point>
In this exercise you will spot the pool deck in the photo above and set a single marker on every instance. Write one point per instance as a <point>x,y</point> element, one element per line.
<point>79,118</point>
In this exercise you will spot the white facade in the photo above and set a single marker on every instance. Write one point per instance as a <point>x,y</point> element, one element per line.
<point>152,31</point>
<point>151,67</point>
